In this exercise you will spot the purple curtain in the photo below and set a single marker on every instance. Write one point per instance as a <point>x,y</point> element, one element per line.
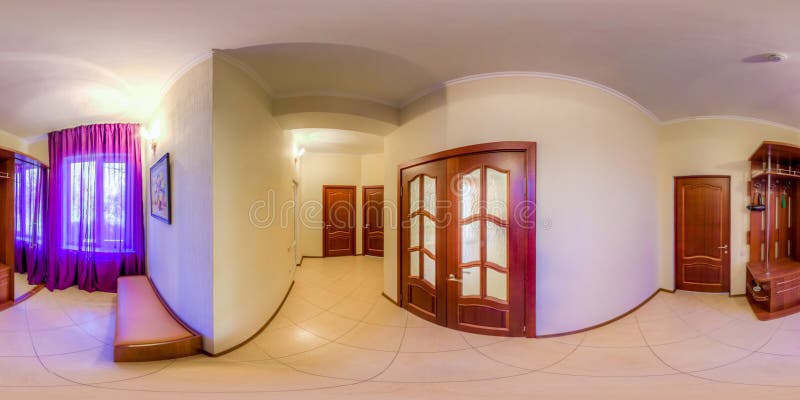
<point>95,229</point>
<point>29,203</point>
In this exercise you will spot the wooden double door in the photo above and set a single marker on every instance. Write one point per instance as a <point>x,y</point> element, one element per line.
<point>467,242</point>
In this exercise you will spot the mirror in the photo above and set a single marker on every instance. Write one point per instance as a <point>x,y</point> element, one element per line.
<point>30,187</point>
<point>22,198</point>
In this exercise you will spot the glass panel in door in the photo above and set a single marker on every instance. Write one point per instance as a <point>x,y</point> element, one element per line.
<point>486,289</point>
<point>422,245</point>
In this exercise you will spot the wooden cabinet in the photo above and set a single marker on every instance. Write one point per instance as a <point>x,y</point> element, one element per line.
<point>6,227</point>
<point>6,284</point>
<point>773,272</point>
<point>13,177</point>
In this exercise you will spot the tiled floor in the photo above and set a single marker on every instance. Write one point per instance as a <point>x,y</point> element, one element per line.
<point>21,285</point>
<point>337,337</point>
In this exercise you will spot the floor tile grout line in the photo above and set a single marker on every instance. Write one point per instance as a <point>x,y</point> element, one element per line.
<point>694,373</point>
<point>704,304</point>
<point>50,371</point>
<point>707,334</point>
<point>396,354</point>
<point>372,307</point>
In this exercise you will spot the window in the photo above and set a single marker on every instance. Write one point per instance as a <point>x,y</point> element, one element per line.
<point>95,199</point>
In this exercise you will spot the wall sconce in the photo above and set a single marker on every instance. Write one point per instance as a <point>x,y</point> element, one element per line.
<point>300,153</point>
<point>151,136</point>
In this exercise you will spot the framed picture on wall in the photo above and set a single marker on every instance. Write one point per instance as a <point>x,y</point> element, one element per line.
<point>160,202</point>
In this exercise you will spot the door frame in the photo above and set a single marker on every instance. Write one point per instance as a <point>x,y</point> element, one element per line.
<point>675,227</point>
<point>364,217</point>
<point>296,221</point>
<point>325,218</point>
<point>529,148</point>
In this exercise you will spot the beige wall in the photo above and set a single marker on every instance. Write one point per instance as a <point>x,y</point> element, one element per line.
<point>253,167</point>
<point>179,257</point>
<point>40,149</point>
<point>372,169</point>
<point>596,183</point>
<point>13,142</point>
<point>710,147</point>
<point>320,169</point>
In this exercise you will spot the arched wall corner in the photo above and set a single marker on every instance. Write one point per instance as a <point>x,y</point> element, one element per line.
<point>428,95</point>
<point>179,255</point>
<point>597,236</point>
<point>253,166</point>
<point>335,112</point>
<point>183,70</point>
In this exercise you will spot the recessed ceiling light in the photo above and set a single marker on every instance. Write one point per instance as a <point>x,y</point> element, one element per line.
<point>766,57</point>
<point>775,57</point>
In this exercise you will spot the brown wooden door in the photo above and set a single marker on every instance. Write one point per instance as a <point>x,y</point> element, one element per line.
<point>339,218</point>
<point>372,235</point>
<point>465,236</point>
<point>423,257</point>
<point>702,233</point>
<point>486,264</point>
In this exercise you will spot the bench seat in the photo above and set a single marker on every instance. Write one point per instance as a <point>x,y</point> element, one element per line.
<point>146,330</point>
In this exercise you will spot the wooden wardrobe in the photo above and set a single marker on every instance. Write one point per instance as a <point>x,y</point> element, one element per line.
<point>773,272</point>
<point>7,161</point>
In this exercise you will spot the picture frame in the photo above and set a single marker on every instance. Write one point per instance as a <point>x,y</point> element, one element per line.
<point>161,190</point>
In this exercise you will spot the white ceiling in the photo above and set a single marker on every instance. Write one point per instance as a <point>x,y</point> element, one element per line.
<point>69,62</point>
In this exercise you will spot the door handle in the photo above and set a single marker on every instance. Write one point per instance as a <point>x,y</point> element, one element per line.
<point>366,226</point>
<point>452,277</point>
<point>725,248</point>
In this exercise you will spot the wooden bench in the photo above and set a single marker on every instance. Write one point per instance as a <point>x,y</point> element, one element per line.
<point>146,329</point>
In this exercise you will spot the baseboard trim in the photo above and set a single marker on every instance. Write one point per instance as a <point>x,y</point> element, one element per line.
<point>629,312</point>
<point>20,299</point>
<point>391,299</point>
<point>238,346</point>
<point>302,258</point>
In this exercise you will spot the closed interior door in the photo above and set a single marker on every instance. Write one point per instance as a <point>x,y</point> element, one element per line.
<point>424,188</point>
<point>464,242</point>
<point>373,221</point>
<point>485,293</point>
<point>339,219</point>
<point>702,233</point>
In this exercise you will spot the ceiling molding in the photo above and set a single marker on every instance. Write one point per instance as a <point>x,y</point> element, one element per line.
<point>753,120</point>
<point>465,79</point>
<point>178,74</point>
<point>534,74</point>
